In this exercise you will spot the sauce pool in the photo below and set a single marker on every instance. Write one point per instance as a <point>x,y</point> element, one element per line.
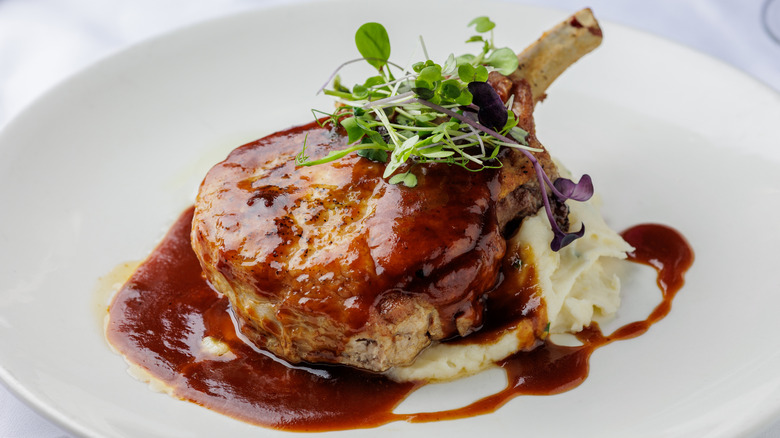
<point>159,318</point>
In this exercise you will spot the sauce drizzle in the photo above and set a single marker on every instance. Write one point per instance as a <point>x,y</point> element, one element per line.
<point>161,315</point>
<point>553,369</point>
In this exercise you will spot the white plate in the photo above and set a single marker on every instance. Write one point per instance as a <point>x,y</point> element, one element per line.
<point>93,173</point>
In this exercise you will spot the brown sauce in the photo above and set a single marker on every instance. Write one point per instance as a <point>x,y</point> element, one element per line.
<point>158,319</point>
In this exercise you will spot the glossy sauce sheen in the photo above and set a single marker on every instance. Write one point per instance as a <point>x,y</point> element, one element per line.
<point>160,316</point>
<point>344,222</point>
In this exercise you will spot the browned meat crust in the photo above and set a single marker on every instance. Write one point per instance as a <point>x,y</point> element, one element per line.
<point>333,264</point>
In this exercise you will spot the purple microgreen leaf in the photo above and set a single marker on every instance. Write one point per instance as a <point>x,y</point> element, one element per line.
<point>581,191</point>
<point>561,239</point>
<point>465,118</point>
<point>492,112</point>
<point>470,108</point>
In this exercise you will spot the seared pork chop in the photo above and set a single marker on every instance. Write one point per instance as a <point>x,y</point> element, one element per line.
<point>333,264</point>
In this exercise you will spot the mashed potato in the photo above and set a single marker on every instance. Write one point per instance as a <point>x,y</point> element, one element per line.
<point>575,283</point>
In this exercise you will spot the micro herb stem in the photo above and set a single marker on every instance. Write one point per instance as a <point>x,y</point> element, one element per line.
<point>380,114</point>
<point>411,128</point>
<point>517,146</point>
<point>352,61</point>
<point>400,110</point>
<point>394,81</point>
<point>398,84</point>
<point>552,187</point>
<point>303,161</point>
<point>389,100</point>
<point>451,140</point>
<point>477,126</point>
<point>335,93</point>
<point>479,139</point>
<point>424,49</point>
<point>467,156</point>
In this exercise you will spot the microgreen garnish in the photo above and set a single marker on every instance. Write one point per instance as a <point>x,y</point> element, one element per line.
<point>373,43</point>
<point>492,112</point>
<point>581,191</point>
<point>435,113</point>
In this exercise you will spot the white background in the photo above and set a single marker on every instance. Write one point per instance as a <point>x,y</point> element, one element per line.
<point>44,41</point>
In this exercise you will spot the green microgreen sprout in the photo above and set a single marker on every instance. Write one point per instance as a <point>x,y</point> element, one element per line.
<point>434,113</point>
<point>373,43</point>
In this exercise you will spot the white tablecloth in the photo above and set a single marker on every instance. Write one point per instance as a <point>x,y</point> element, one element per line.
<point>44,41</point>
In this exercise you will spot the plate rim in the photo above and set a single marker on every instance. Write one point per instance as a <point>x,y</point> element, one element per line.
<point>49,411</point>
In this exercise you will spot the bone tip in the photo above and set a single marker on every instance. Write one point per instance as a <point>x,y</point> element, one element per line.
<point>584,18</point>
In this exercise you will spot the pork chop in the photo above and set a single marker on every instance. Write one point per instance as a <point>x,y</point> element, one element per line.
<point>333,264</point>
